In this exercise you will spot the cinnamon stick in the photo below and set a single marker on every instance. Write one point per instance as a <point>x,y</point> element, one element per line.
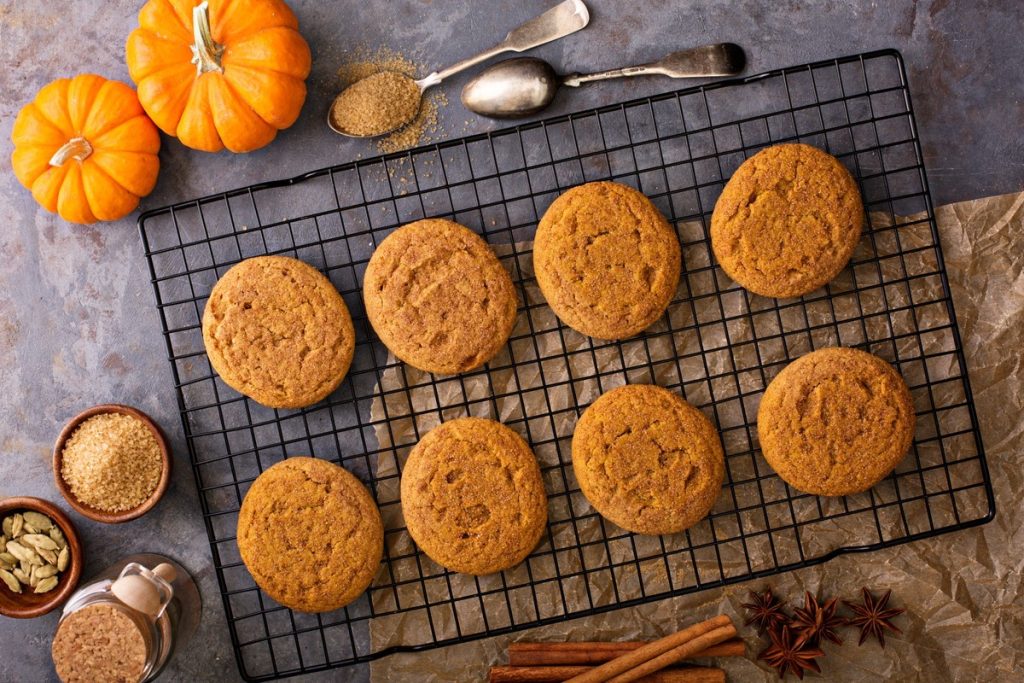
<point>661,653</point>
<point>567,654</point>
<point>556,674</point>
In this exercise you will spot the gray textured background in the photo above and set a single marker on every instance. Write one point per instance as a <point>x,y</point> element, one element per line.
<point>77,319</point>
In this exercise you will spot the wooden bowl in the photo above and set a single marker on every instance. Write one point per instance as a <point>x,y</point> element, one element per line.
<point>102,515</point>
<point>26,605</point>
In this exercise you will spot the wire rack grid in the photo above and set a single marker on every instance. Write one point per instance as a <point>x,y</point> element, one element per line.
<point>717,344</point>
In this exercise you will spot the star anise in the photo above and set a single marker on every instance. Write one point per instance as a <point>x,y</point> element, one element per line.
<point>765,611</point>
<point>791,652</point>
<point>818,621</point>
<point>872,617</point>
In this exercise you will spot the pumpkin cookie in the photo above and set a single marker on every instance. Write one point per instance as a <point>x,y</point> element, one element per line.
<point>648,460</point>
<point>606,260</point>
<point>438,297</point>
<point>835,422</point>
<point>277,330</point>
<point>310,534</point>
<point>787,221</point>
<point>473,497</point>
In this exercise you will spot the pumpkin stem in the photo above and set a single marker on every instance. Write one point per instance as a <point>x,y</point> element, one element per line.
<point>205,52</point>
<point>78,149</point>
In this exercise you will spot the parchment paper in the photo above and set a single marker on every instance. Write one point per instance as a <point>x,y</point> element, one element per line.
<point>963,590</point>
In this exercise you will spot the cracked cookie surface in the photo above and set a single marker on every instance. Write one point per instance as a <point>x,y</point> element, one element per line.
<point>606,260</point>
<point>310,534</point>
<point>438,297</point>
<point>787,221</point>
<point>835,421</point>
<point>473,497</point>
<point>647,459</point>
<point>277,330</point>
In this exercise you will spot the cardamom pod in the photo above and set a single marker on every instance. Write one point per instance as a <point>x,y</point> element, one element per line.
<point>21,552</point>
<point>22,576</point>
<point>27,528</point>
<point>48,555</point>
<point>57,536</point>
<point>46,585</point>
<point>8,561</point>
<point>38,520</point>
<point>62,559</point>
<point>45,572</point>
<point>33,580</point>
<point>39,542</point>
<point>10,580</point>
<point>16,525</point>
<point>8,526</point>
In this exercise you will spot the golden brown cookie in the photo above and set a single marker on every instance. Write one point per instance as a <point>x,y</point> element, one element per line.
<point>787,221</point>
<point>835,422</point>
<point>606,260</point>
<point>648,460</point>
<point>472,496</point>
<point>310,534</point>
<point>277,330</point>
<point>438,297</point>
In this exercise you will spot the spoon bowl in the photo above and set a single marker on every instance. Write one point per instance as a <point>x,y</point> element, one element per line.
<point>515,87</point>
<point>332,117</point>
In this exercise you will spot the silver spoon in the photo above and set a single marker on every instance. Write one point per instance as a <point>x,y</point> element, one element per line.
<point>525,85</point>
<point>563,19</point>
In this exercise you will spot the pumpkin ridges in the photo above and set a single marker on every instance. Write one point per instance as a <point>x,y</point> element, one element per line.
<point>160,18</point>
<point>136,172</point>
<point>196,128</point>
<point>240,127</point>
<point>31,161</point>
<point>72,204</point>
<point>165,94</point>
<point>183,10</point>
<point>46,188</point>
<point>260,51</point>
<point>31,127</point>
<point>52,103</point>
<point>114,104</point>
<point>107,199</point>
<point>147,54</point>
<point>234,20</point>
<point>253,87</point>
<point>138,135</point>
<point>81,95</point>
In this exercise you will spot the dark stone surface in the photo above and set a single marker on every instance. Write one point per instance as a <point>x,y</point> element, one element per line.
<point>77,319</point>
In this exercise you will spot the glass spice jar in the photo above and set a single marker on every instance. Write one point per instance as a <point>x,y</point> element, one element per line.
<point>145,608</point>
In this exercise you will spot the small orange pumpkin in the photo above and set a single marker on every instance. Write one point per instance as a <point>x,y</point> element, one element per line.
<point>223,73</point>
<point>85,149</point>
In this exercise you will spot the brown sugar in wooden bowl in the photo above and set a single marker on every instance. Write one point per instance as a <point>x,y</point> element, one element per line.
<point>92,512</point>
<point>27,605</point>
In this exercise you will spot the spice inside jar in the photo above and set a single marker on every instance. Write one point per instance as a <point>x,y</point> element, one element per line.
<point>376,105</point>
<point>112,462</point>
<point>99,643</point>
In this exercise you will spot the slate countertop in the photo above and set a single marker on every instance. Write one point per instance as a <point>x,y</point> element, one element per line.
<point>78,325</point>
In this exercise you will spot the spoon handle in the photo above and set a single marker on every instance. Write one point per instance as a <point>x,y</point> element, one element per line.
<point>575,80</point>
<point>563,19</point>
<point>721,59</point>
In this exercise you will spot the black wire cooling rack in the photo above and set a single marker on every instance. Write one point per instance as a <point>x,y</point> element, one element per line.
<point>718,345</point>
